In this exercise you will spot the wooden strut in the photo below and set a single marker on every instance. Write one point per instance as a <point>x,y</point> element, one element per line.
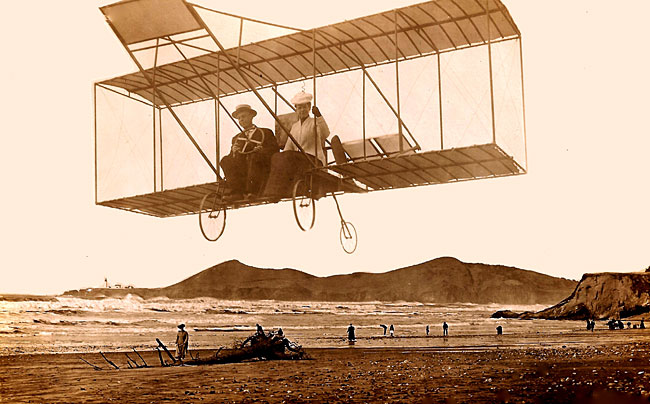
<point>162,98</point>
<point>162,362</point>
<point>129,360</point>
<point>141,358</point>
<point>107,360</point>
<point>166,350</point>
<point>93,366</point>
<point>246,79</point>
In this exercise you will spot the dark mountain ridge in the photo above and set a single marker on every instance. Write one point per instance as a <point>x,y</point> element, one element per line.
<point>442,280</point>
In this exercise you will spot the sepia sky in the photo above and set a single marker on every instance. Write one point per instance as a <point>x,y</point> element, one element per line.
<point>583,207</point>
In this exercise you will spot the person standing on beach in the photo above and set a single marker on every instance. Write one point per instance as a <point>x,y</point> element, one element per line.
<point>391,329</point>
<point>445,329</point>
<point>351,336</point>
<point>384,327</point>
<point>427,329</point>
<point>499,330</point>
<point>182,342</point>
<point>642,325</point>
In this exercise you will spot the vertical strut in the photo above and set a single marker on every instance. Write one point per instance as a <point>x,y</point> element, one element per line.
<point>399,117</point>
<point>442,143</point>
<point>153,106</point>
<point>523,101</point>
<point>95,135</point>
<point>160,95</point>
<point>487,14</point>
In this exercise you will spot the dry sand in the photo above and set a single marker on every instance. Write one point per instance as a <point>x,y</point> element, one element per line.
<point>599,367</point>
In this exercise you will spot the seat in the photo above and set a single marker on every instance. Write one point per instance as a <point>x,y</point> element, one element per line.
<point>370,148</point>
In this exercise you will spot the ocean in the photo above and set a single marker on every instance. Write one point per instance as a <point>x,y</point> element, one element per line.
<point>67,324</point>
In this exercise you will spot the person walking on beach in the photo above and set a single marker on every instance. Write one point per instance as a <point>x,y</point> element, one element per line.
<point>445,329</point>
<point>351,336</point>
<point>391,329</point>
<point>499,330</point>
<point>427,329</point>
<point>182,342</point>
<point>593,325</point>
<point>642,325</point>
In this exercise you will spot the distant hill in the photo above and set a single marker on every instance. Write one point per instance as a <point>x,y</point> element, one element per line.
<point>599,296</point>
<point>442,280</point>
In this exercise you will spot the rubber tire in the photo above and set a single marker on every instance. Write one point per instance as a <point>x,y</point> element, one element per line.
<point>204,215</point>
<point>298,199</point>
<point>353,234</point>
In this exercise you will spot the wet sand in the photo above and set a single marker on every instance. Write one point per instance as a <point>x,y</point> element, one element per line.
<point>600,367</point>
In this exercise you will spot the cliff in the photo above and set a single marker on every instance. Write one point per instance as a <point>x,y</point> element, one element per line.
<point>599,296</point>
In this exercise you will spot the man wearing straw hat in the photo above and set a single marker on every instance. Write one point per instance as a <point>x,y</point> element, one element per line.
<point>310,133</point>
<point>247,166</point>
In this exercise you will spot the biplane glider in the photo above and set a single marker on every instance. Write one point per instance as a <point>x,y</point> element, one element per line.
<point>430,93</point>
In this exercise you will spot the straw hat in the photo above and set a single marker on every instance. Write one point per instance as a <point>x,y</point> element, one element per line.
<point>301,98</point>
<point>241,109</point>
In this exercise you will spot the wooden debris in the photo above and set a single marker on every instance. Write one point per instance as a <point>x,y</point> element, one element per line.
<point>141,358</point>
<point>109,362</point>
<point>93,366</point>
<point>166,351</point>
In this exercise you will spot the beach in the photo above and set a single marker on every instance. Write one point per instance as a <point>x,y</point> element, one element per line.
<point>600,367</point>
<point>43,342</point>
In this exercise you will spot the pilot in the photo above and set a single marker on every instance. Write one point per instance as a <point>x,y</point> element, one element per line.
<point>310,133</point>
<point>247,166</point>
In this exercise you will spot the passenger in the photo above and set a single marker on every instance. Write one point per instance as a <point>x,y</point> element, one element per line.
<point>247,165</point>
<point>445,329</point>
<point>288,166</point>
<point>182,342</point>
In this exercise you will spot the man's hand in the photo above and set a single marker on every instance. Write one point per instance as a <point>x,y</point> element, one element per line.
<point>236,148</point>
<point>315,111</point>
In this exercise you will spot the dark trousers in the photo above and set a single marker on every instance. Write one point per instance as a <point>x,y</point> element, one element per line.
<point>246,173</point>
<point>287,167</point>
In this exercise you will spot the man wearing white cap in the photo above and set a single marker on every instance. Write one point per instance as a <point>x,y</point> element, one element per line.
<point>247,166</point>
<point>310,133</point>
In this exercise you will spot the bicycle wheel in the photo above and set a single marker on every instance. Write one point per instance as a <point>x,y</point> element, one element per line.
<point>212,217</point>
<point>348,237</point>
<point>304,206</point>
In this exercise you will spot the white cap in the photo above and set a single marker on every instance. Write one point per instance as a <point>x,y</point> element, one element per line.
<point>301,98</point>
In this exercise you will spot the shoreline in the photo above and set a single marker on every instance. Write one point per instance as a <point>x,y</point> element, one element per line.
<point>556,370</point>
